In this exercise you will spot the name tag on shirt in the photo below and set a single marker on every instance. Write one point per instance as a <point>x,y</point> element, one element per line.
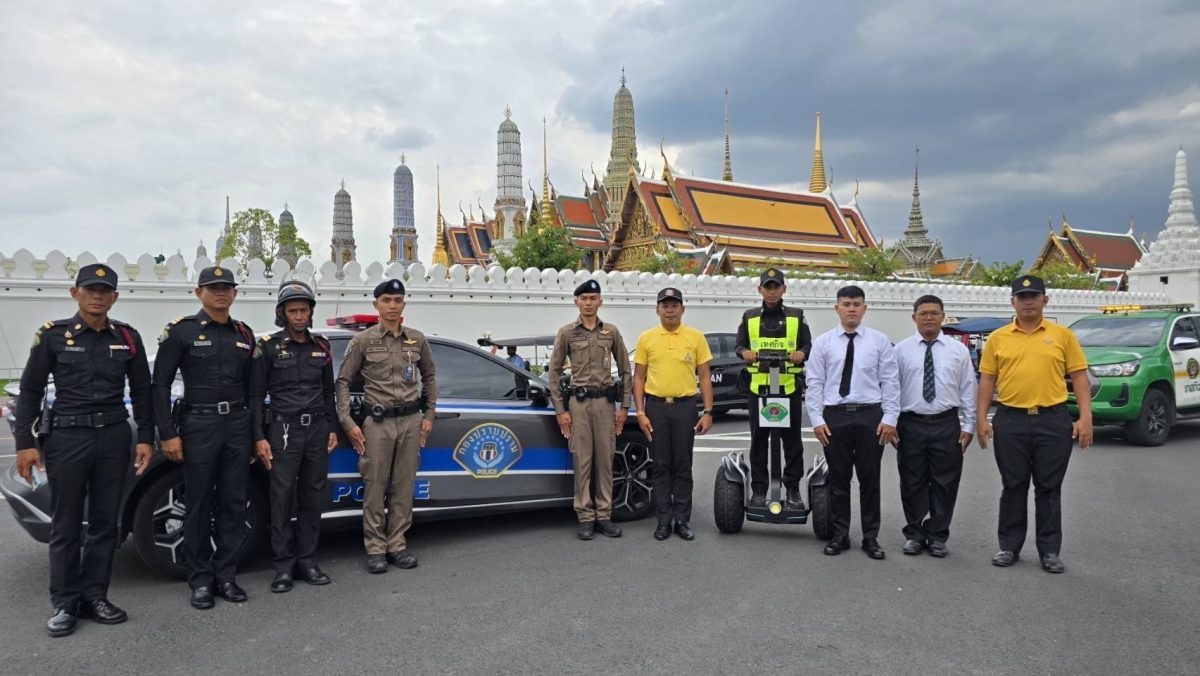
<point>201,343</point>
<point>377,349</point>
<point>242,345</point>
<point>74,348</point>
<point>118,347</point>
<point>318,354</point>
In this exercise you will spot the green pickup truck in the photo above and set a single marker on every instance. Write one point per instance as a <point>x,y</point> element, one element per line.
<point>1147,359</point>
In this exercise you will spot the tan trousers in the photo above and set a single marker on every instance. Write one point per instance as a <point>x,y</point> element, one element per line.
<point>393,454</point>
<point>593,442</point>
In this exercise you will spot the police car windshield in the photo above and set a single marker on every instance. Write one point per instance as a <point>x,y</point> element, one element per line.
<point>1119,331</point>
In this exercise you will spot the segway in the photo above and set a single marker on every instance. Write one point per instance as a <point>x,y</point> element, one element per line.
<point>731,493</point>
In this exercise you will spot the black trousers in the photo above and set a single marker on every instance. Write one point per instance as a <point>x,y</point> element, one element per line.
<point>216,468</point>
<point>1037,447</point>
<point>85,467</point>
<point>793,447</point>
<point>930,461</point>
<point>296,486</point>
<point>854,448</point>
<point>671,450</point>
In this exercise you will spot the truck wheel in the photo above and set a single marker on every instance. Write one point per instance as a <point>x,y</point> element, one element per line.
<point>633,488</point>
<point>158,523</point>
<point>1153,424</point>
<point>728,503</point>
<point>822,519</point>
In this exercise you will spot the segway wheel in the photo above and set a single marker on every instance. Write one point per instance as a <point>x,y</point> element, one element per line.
<point>822,518</point>
<point>728,503</point>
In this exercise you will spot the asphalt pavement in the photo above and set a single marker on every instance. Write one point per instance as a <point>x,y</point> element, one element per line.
<point>519,594</point>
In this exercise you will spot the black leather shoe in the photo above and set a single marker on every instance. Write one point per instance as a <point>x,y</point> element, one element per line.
<point>837,546</point>
<point>794,501</point>
<point>758,501</point>
<point>61,623</point>
<point>202,598</point>
<point>102,611</point>
<point>314,576</point>
<point>282,583</point>
<point>1005,558</point>
<point>1052,564</point>
<point>230,591</point>
<point>586,530</point>
<point>872,548</point>
<point>402,559</point>
<point>662,532</point>
<point>377,563</point>
<point>685,531</point>
<point>608,529</point>
<point>938,549</point>
<point>913,547</point>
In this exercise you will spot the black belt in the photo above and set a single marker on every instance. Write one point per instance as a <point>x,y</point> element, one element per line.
<point>94,420</point>
<point>379,412</point>
<point>672,400</point>
<point>218,407</point>
<point>301,419</point>
<point>950,412</point>
<point>1034,410</point>
<point>591,392</point>
<point>851,408</point>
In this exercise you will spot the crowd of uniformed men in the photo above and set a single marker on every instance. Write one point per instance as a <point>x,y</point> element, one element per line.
<point>861,392</point>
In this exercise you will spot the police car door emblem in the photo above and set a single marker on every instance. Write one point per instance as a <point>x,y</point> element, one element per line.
<point>488,450</point>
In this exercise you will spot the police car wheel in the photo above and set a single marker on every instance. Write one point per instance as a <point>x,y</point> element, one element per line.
<point>728,503</point>
<point>158,523</point>
<point>633,490</point>
<point>822,519</point>
<point>1153,424</point>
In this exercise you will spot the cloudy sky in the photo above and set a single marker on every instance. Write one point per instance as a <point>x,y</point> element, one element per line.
<point>123,125</point>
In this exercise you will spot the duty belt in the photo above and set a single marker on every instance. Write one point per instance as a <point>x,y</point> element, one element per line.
<point>94,420</point>
<point>380,412</point>
<point>671,400</point>
<point>301,419</point>
<point>1033,410</point>
<point>219,407</point>
<point>591,392</point>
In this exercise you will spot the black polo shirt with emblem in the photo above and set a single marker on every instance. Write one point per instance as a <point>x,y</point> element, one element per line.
<point>214,359</point>
<point>297,376</point>
<point>90,369</point>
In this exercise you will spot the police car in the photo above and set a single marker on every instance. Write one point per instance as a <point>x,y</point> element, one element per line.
<point>495,448</point>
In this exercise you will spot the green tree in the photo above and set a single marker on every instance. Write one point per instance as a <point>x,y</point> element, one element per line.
<point>237,244</point>
<point>999,273</point>
<point>669,260</point>
<point>869,264</point>
<point>542,247</point>
<point>1063,275</point>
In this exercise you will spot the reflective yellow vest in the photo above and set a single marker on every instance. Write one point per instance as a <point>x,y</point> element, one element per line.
<point>759,381</point>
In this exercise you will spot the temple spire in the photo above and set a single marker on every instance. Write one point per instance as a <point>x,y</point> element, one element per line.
<point>916,220</point>
<point>816,183</point>
<point>727,172</point>
<point>439,247</point>
<point>545,220</point>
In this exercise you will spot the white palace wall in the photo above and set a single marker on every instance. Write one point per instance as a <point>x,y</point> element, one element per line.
<point>463,303</point>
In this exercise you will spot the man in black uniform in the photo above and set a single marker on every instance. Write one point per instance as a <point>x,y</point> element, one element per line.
<point>775,320</point>
<point>85,441</point>
<point>294,437</point>
<point>209,432</point>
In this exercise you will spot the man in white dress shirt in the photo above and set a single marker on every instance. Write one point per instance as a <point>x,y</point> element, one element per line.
<point>853,399</point>
<point>937,384</point>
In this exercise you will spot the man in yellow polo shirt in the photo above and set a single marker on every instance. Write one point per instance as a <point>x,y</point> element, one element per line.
<point>1026,362</point>
<point>667,360</point>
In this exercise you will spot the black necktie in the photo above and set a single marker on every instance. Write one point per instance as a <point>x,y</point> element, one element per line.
<point>927,387</point>
<point>848,365</point>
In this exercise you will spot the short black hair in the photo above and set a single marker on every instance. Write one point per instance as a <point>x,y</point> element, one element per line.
<point>851,292</point>
<point>926,299</point>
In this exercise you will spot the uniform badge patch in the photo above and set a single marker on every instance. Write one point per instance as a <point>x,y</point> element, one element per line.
<point>487,451</point>
<point>410,342</point>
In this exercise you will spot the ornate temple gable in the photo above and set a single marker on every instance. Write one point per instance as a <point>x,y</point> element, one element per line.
<point>1106,254</point>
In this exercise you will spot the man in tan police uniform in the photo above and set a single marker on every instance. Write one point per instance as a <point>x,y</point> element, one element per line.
<point>397,369</point>
<point>593,422</point>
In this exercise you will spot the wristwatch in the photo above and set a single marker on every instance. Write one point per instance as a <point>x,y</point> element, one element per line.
<point>707,411</point>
